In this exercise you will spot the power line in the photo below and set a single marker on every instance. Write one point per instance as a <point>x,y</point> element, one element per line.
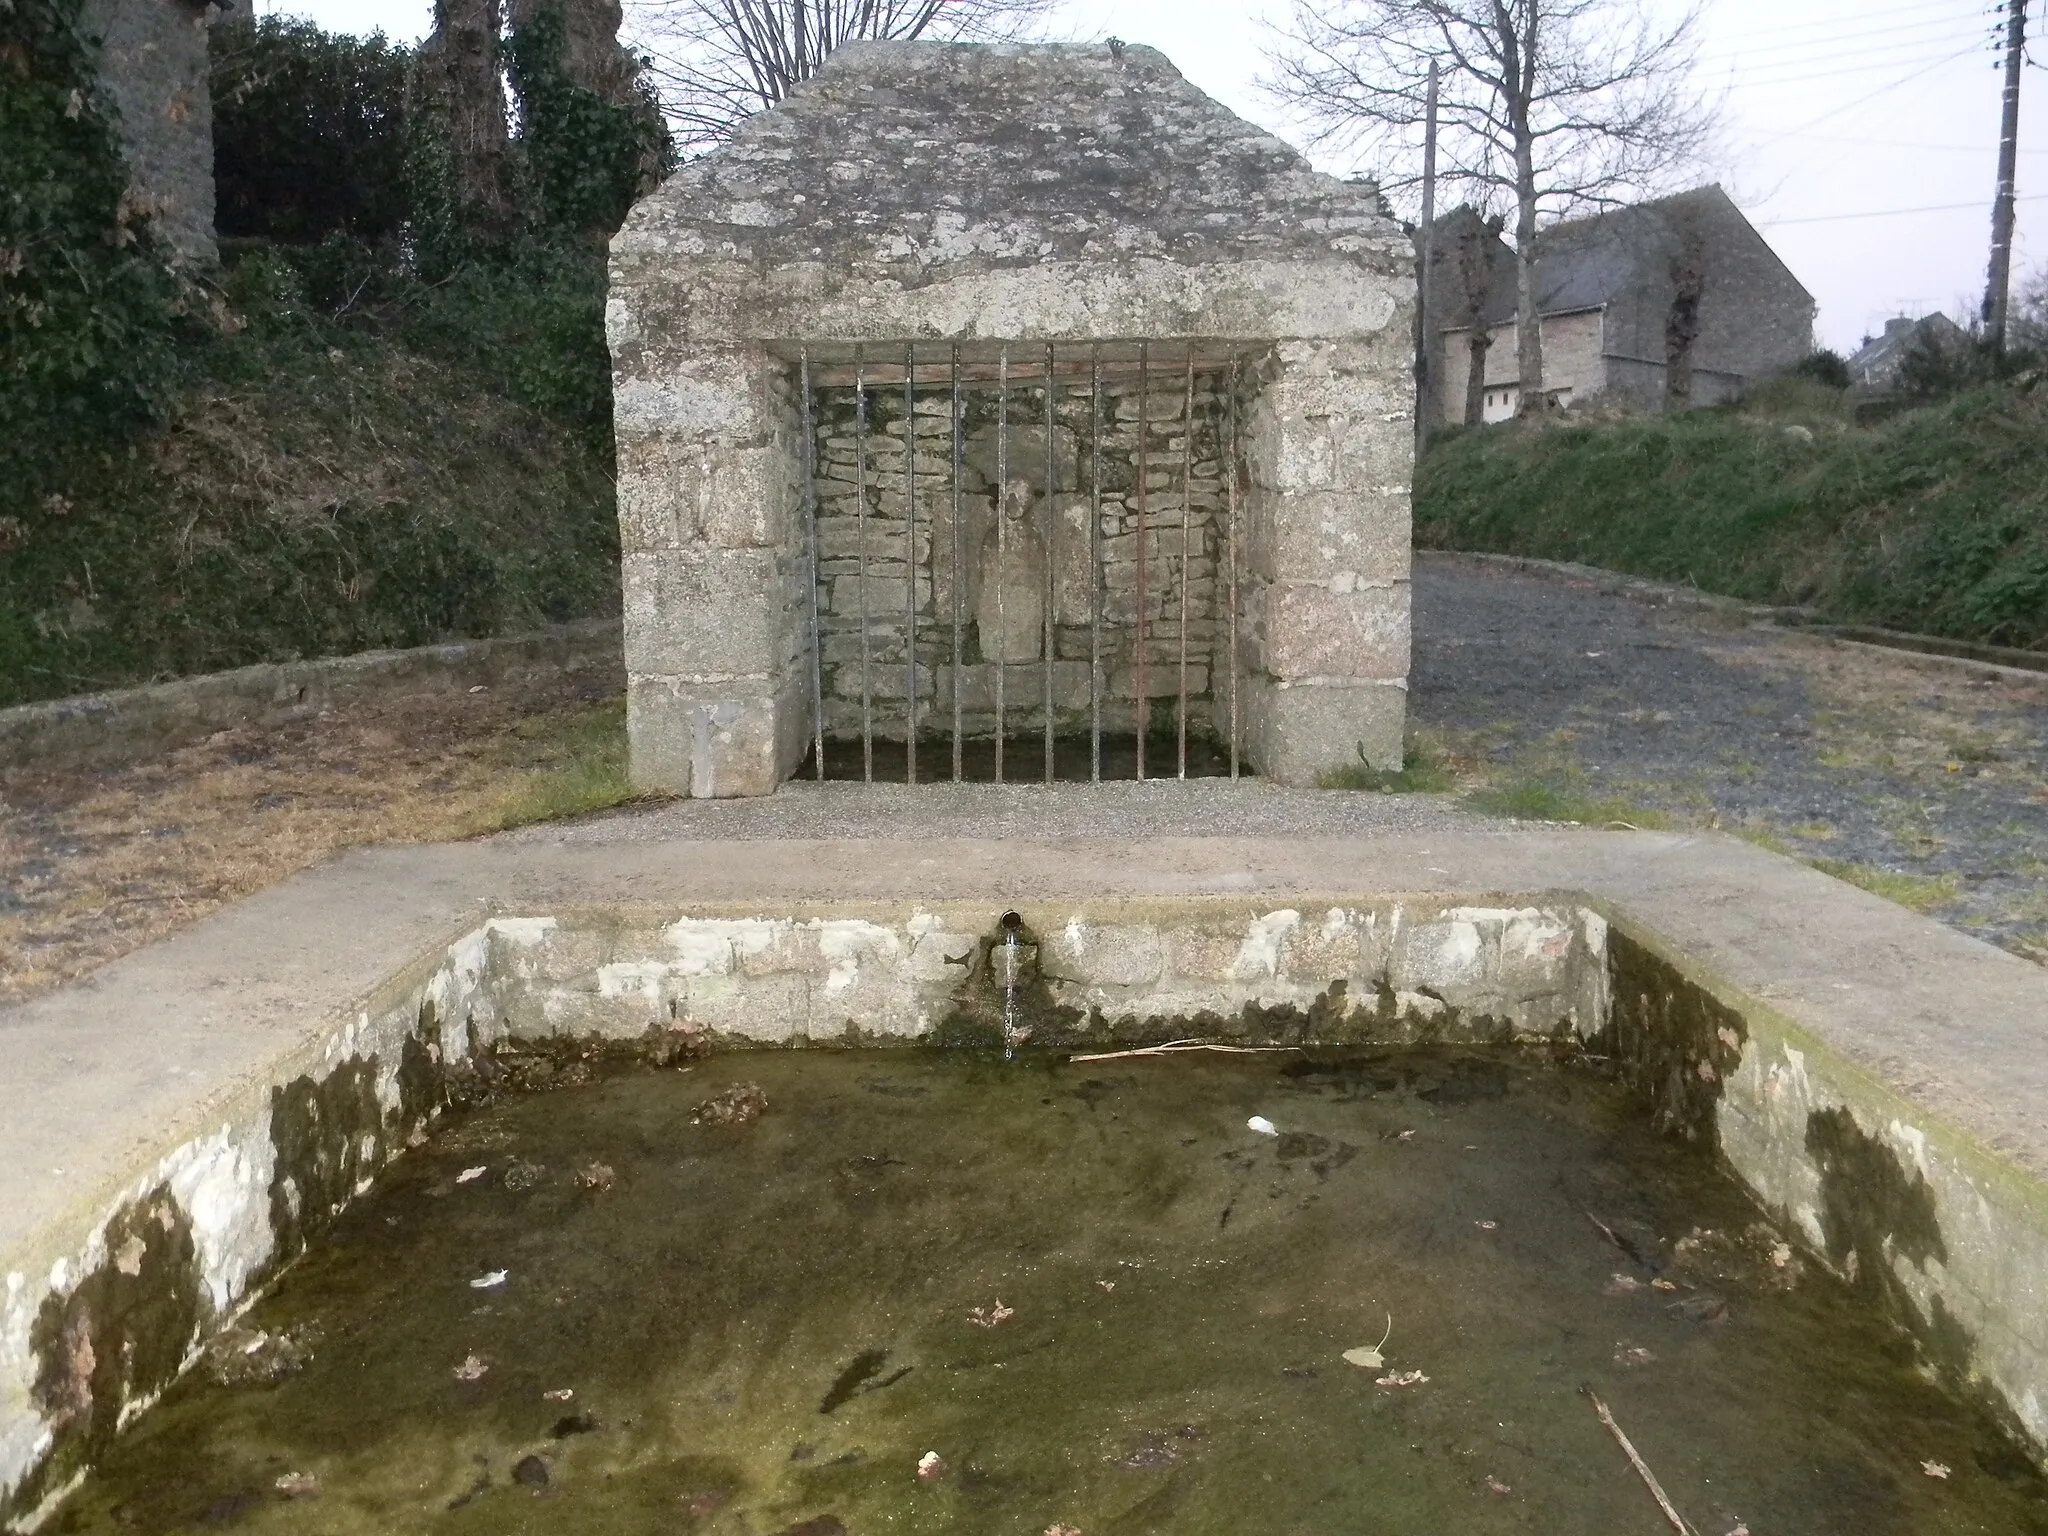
<point>1832,26</point>
<point>1820,48</point>
<point>1888,213</point>
<point>1870,96</point>
<point>1800,77</point>
<point>1960,149</point>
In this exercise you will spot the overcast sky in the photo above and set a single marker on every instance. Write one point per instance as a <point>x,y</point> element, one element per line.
<point>1862,134</point>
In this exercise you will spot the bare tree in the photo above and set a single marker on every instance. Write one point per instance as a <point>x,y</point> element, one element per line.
<point>721,61</point>
<point>1556,106</point>
<point>1474,258</point>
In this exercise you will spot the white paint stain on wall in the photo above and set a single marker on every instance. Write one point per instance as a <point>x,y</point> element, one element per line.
<point>847,943</point>
<point>1259,956</point>
<point>712,946</point>
<point>223,1183</point>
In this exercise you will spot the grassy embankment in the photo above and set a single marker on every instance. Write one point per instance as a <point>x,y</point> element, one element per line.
<point>1935,521</point>
<point>310,494</point>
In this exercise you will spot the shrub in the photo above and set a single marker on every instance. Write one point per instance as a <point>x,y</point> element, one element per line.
<point>1825,367</point>
<point>308,133</point>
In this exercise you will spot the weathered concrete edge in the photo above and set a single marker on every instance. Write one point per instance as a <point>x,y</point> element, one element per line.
<point>1972,1286</point>
<point>102,730</point>
<point>216,1194</point>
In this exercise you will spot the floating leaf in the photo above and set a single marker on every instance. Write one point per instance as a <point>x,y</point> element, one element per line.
<point>1370,1359</point>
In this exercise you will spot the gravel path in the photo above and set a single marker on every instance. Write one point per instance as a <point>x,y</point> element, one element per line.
<point>1924,780</point>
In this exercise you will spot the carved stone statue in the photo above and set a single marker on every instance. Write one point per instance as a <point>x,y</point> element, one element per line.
<point>1010,607</point>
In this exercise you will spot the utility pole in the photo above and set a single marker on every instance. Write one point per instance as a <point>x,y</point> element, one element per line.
<point>1425,352</point>
<point>1998,288</point>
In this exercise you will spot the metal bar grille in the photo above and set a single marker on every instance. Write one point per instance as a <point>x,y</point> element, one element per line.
<point>860,482</point>
<point>959,582</point>
<point>1231,534</point>
<point>1002,524</point>
<point>816,542</point>
<point>1095,584</point>
<point>910,565</point>
<point>1187,569</point>
<point>1012,578</point>
<point>1143,670</point>
<point>1049,645</point>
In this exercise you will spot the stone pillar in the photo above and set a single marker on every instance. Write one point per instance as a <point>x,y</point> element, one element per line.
<point>1325,626</point>
<point>155,71</point>
<point>715,572</point>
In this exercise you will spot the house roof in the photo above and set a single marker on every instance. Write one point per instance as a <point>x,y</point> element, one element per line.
<point>1877,360</point>
<point>1587,263</point>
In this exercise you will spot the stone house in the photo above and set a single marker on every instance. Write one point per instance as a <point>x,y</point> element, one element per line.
<point>979,391</point>
<point>1874,366</point>
<point>1671,303</point>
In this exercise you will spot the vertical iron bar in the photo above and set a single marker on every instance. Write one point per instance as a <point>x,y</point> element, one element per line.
<point>1051,536</point>
<point>1230,515</point>
<point>860,514</point>
<point>1002,491</point>
<point>910,563</point>
<point>959,577</point>
<point>1095,564</point>
<point>1142,661</point>
<point>817,560</point>
<point>1187,496</point>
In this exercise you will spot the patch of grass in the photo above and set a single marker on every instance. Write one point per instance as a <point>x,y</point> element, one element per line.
<point>1766,839</point>
<point>590,773</point>
<point>1541,798</point>
<point>1424,771</point>
<point>1917,893</point>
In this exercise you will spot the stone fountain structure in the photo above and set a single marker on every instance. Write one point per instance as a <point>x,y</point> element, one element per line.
<point>1217,339</point>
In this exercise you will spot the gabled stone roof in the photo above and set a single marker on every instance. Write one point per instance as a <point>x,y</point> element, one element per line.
<point>928,156</point>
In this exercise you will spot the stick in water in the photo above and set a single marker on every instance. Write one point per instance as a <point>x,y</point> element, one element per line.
<point>1180,1048</point>
<point>1678,1522</point>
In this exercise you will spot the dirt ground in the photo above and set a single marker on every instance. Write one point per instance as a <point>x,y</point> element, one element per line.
<point>1532,695</point>
<point>95,864</point>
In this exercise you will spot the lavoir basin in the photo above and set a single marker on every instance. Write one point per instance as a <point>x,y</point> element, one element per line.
<point>1549,1180</point>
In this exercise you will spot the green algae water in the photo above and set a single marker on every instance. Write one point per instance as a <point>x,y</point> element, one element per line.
<point>1084,1297</point>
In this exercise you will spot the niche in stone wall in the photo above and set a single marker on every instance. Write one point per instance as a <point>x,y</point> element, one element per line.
<point>1127,516</point>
